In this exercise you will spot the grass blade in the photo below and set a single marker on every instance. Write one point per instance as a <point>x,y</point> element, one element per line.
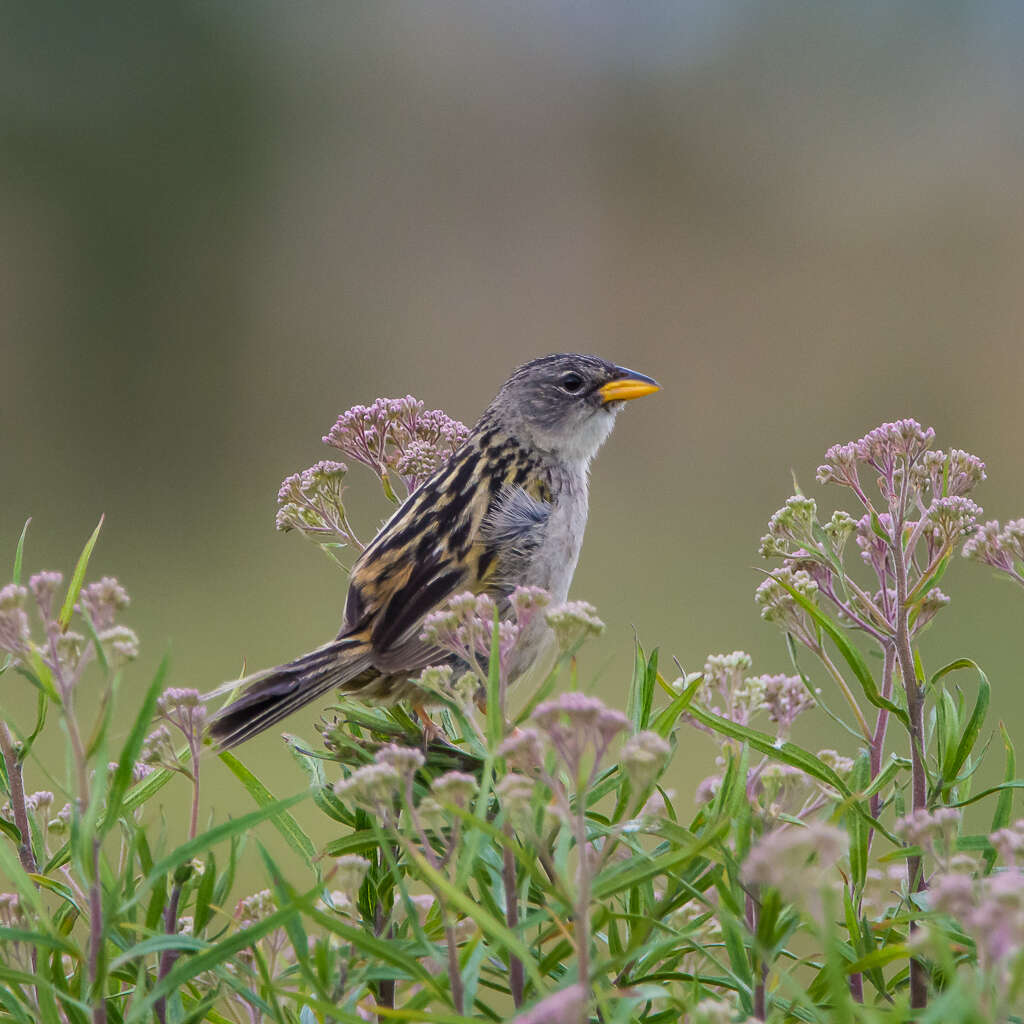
<point>133,746</point>
<point>282,821</point>
<point>18,552</point>
<point>77,577</point>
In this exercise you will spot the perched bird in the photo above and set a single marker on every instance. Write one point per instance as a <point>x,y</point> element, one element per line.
<point>507,509</point>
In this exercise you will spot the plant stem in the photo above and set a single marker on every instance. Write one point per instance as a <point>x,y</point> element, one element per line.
<point>17,787</point>
<point>516,980</point>
<point>915,713</point>
<point>877,751</point>
<point>454,970</point>
<point>582,897</point>
<point>16,784</point>
<point>99,1006</point>
<point>881,724</point>
<point>760,971</point>
<point>386,986</point>
<point>857,987</point>
<point>168,956</point>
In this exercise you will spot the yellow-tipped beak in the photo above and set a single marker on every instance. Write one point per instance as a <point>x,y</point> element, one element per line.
<point>626,388</point>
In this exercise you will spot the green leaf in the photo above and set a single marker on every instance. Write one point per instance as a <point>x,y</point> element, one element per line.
<point>203,912</point>
<point>946,729</point>
<point>788,753</point>
<point>150,785</point>
<point>1004,805</point>
<point>42,705</point>
<point>18,552</point>
<point>323,795</point>
<point>282,821</point>
<point>880,957</point>
<point>11,830</point>
<point>37,939</point>
<point>41,984</point>
<point>850,654</point>
<point>77,577</point>
<point>156,944</point>
<point>856,826</point>
<point>284,896</point>
<point>203,842</point>
<point>971,731</point>
<point>212,957</point>
<point>133,746</point>
<point>370,946</point>
<point>1001,788</point>
<point>665,723</point>
<point>641,689</point>
<point>886,775</point>
<point>623,876</point>
<point>489,924</point>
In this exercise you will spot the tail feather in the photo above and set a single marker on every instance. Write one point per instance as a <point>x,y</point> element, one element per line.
<point>275,693</point>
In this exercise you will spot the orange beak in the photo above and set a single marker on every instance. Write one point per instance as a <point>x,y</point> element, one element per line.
<point>627,387</point>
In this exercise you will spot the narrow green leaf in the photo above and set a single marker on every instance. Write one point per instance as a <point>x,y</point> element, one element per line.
<point>886,775</point>
<point>973,728</point>
<point>212,957</point>
<point>204,841</point>
<point>133,746</point>
<point>40,983</point>
<point>370,946</point>
<point>42,705</point>
<point>641,689</point>
<point>37,939</point>
<point>880,957</point>
<point>856,825</point>
<point>665,723</point>
<point>623,876</point>
<point>144,790</point>
<point>850,654</point>
<point>788,753</point>
<point>282,821</point>
<point>1004,805</point>
<point>77,578</point>
<point>203,912</point>
<point>14,1007</point>
<point>489,924</point>
<point>323,795</point>
<point>285,896</point>
<point>1003,787</point>
<point>38,673</point>
<point>19,552</point>
<point>156,944</point>
<point>926,584</point>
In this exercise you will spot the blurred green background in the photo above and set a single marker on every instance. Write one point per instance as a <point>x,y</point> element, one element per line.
<point>222,224</point>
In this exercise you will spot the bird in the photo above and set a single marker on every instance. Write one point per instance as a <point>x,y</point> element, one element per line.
<point>508,508</point>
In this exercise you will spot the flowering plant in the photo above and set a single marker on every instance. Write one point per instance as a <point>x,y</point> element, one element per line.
<point>526,861</point>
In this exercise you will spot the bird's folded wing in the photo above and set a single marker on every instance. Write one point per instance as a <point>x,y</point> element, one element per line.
<point>478,544</point>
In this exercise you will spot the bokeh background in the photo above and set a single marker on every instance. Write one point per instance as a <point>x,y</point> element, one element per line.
<point>221,224</point>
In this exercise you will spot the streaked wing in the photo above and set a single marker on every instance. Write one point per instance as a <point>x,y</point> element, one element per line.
<point>450,535</point>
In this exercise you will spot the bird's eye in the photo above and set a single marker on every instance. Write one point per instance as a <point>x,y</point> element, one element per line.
<point>571,382</point>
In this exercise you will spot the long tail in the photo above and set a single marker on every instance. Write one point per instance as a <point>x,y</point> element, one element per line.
<point>275,693</point>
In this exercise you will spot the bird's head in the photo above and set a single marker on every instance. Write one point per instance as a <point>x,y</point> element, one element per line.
<point>566,404</point>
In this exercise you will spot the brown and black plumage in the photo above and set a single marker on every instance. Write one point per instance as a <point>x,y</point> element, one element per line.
<point>507,509</point>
